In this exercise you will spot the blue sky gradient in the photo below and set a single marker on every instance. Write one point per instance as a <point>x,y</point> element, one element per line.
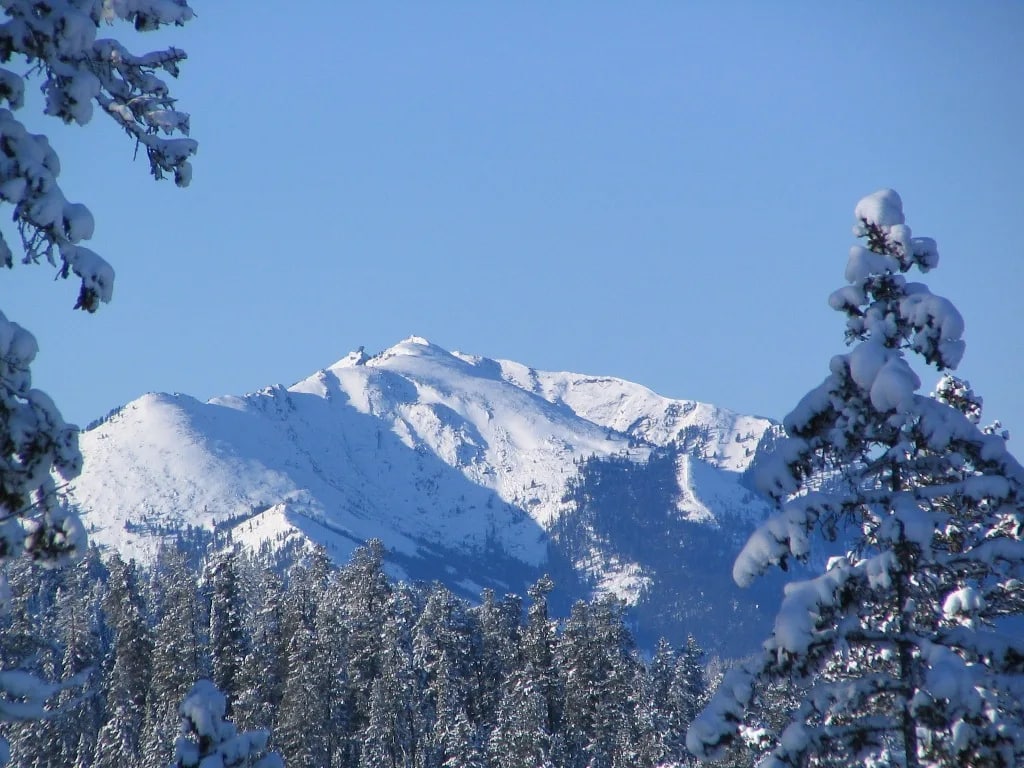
<point>661,192</point>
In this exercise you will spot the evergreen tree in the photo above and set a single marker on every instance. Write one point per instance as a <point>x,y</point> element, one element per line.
<point>180,658</point>
<point>521,739</point>
<point>443,653</point>
<point>208,740</point>
<point>903,641</point>
<point>689,689</point>
<point>56,43</point>
<point>601,683</point>
<point>265,667</point>
<point>79,621</point>
<point>117,745</point>
<point>539,639</point>
<point>660,724</point>
<point>301,731</point>
<point>228,642</point>
<point>35,741</point>
<point>331,634</point>
<point>460,746</point>
<point>365,594</point>
<point>380,748</point>
<point>397,691</point>
<point>500,651</point>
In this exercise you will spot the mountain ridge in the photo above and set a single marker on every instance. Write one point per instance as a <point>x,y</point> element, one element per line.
<point>470,470</point>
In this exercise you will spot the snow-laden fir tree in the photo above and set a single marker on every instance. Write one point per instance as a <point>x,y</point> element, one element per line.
<point>180,657</point>
<point>207,740</point>
<point>301,731</point>
<point>57,42</point>
<point>905,641</point>
<point>520,738</point>
<point>600,685</point>
<point>228,641</point>
<point>674,691</point>
<point>129,663</point>
<point>500,644</point>
<point>264,669</point>
<point>331,633</point>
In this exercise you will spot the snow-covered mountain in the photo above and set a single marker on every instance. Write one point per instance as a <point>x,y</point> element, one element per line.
<point>479,472</point>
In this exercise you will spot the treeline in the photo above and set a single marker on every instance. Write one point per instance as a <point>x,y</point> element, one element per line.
<point>345,667</point>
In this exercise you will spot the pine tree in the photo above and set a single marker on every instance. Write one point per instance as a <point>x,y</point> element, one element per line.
<point>460,746</point>
<point>397,692</point>
<point>208,740</point>
<point>903,641</point>
<point>520,739</point>
<point>180,658</point>
<point>117,745</point>
<point>660,724</point>
<point>601,683</point>
<point>228,642</point>
<point>379,743</point>
<point>443,652</point>
<point>56,42</point>
<point>689,689</point>
<point>500,648</point>
<point>79,619</point>
<point>301,731</point>
<point>365,594</point>
<point>675,690</point>
<point>265,667</point>
<point>539,640</point>
<point>331,635</point>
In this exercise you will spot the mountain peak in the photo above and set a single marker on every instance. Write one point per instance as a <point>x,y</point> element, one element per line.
<point>470,469</point>
<point>413,346</point>
<point>353,358</point>
<point>417,340</point>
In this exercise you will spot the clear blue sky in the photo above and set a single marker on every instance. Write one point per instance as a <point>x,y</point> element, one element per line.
<point>658,191</point>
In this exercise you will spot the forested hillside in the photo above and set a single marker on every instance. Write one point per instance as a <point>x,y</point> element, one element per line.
<point>344,666</point>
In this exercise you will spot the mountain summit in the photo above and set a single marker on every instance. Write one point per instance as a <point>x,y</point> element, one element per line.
<point>477,472</point>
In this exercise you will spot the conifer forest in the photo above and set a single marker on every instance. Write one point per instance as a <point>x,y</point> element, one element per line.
<point>173,591</point>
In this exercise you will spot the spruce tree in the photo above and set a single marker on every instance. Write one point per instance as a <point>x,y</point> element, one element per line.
<point>601,683</point>
<point>378,743</point>
<point>444,653</point>
<point>365,593</point>
<point>79,618</point>
<point>520,738</point>
<point>395,722</point>
<point>118,743</point>
<point>903,641</point>
<point>500,648</point>
<point>539,640</point>
<point>56,45</point>
<point>209,740</point>
<point>265,667</point>
<point>228,641</point>
<point>460,746</point>
<point>180,658</point>
<point>331,637</point>
<point>301,731</point>
<point>675,690</point>
<point>126,668</point>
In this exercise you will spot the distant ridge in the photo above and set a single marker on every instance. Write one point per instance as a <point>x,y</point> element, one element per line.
<point>477,472</point>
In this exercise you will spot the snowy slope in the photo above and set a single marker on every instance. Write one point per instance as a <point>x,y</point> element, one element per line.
<point>460,464</point>
<point>728,438</point>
